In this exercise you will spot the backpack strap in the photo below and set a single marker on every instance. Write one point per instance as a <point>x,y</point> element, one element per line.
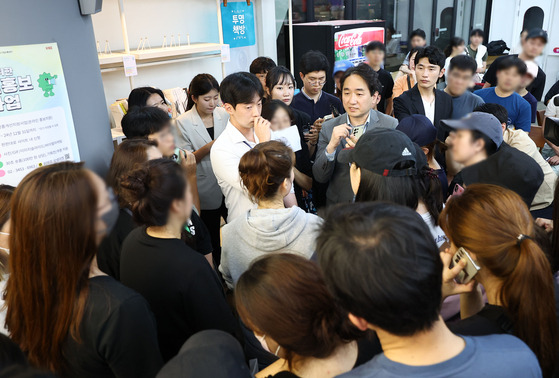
<point>409,81</point>
<point>498,316</point>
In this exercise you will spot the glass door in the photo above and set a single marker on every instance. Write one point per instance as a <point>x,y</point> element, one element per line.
<point>444,23</point>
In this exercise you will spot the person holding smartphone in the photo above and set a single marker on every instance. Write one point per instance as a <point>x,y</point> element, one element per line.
<point>360,90</point>
<point>516,275</point>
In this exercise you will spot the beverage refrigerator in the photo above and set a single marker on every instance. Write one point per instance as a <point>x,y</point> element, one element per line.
<point>338,40</point>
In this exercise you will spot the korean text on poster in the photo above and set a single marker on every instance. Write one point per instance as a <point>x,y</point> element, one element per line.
<point>36,126</point>
<point>238,24</point>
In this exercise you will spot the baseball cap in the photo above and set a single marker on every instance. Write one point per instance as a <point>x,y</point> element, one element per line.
<point>537,33</point>
<point>380,150</point>
<point>419,129</point>
<point>485,123</point>
<point>341,65</point>
<point>210,353</point>
<point>531,68</point>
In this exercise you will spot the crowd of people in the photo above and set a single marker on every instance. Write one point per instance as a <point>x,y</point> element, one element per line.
<point>401,226</point>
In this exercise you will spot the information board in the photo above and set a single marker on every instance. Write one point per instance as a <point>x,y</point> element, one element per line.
<point>36,126</point>
<point>237,20</point>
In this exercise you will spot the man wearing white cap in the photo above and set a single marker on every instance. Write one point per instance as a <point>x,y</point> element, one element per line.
<point>527,79</point>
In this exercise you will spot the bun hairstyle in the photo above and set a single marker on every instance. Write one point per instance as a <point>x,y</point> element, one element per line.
<point>130,154</point>
<point>285,297</point>
<point>504,245</point>
<point>150,190</point>
<point>264,168</point>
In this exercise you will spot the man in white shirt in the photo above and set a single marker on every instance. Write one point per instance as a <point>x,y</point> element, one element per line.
<point>241,94</point>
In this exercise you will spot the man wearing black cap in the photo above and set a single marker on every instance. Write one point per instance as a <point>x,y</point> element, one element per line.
<point>532,47</point>
<point>477,143</point>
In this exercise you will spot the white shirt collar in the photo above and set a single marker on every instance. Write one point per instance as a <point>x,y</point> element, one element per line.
<point>237,137</point>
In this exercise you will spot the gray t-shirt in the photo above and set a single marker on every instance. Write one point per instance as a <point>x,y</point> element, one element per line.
<point>465,104</point>
<point>493,356</point>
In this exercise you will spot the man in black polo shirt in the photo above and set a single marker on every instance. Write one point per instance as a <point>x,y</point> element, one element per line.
<point>476,141</point>
<point>375,52</point>
<point>532,47</point>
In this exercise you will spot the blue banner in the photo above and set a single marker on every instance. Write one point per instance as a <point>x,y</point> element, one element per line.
<point>238,24</point>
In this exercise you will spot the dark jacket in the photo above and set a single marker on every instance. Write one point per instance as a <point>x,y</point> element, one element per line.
<point>410,102</point>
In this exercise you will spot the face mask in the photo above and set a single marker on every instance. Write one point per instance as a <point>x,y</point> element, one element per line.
<point>262,341</point>
<point>111,216</point>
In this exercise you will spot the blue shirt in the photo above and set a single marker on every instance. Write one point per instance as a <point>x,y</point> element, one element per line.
<point>519,110</point>
<point>464,104</point>
<point>493,356</point>
<point>319,109</point>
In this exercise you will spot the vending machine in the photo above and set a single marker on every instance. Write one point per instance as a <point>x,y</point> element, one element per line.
<point>338,40</point>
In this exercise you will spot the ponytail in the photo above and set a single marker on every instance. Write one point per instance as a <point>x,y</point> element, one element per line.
<point>264,168</point>
<point>532,276</point>
<point>504,247</point>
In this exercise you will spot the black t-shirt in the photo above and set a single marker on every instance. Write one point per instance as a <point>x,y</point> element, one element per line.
<point>387,83</point>
<point>118,335</point>
<point>108,254</point>
<point>536,88</point>
<point>183,291</point>
<point>197,235</point>
<point>210,131</point>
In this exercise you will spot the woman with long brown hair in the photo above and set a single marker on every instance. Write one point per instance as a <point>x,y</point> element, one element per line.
<point>6,192</point>
<point>494,226</point>
<point>65,314</point>
<point>284,300</point>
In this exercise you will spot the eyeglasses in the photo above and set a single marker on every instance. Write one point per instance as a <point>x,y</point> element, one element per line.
<point>317,82</point>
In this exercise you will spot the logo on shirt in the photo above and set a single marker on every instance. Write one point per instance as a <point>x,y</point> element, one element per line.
<point>406,152</point>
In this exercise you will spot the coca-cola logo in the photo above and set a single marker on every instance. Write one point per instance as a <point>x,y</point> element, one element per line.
<point>350,40</point>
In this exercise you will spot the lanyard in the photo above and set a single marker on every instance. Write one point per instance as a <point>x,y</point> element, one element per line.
<point>245,142</point>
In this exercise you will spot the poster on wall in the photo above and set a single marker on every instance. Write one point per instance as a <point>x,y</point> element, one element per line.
<point>36,125</point>
<point>350,44</point>
<point>237,21</point>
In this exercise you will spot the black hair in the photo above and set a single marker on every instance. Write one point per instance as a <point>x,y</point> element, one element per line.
<point>312,61</point>
<point>151,190</point>
<point>240,88</point>
<point>407,191</point>
<point>454,42</point>
<point>261,65</point>
<point>139,96</point>
<point>499,111</point>
<point>489,146</point>
<point>418,33</point>
<point>366,73</point>
<point>433,54</point>
<point>512,61</point>
<point>375,45</point>
<point>278,75</point>
<point>144,121</point>
<point>199,86</point>
<point>270,107</point>
<point>477,32</point>
<point>463,63</point>
<point>381,263</point>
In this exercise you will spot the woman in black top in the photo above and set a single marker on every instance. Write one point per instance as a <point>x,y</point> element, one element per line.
<point>182,289</point>
<point>494,226</point>
<point>83,323</point>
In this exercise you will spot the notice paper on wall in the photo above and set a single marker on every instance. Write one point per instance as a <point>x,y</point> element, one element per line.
<point>36,125</point>
<point>129,63</point>
<point>289,136</point>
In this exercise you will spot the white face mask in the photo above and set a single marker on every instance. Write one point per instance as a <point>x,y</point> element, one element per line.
<point>262,340</point>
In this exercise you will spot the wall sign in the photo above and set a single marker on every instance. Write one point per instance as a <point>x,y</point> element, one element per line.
<point>237,20</point>
<point>36,126</point>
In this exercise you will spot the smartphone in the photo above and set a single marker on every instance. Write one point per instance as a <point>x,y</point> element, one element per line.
<point>177,155</point>
<point>358,131</point>
<point>328,116</point>
<point>458,190</point>
<point>469,271</point>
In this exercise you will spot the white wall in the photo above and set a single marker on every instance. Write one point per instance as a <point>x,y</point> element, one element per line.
<point>154,19</point>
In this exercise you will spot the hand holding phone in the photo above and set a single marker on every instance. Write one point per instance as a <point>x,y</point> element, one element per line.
<point>469,271</point>
<point>450,271</point>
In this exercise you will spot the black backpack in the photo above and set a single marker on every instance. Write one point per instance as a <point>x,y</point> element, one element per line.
<point>497,47</point>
